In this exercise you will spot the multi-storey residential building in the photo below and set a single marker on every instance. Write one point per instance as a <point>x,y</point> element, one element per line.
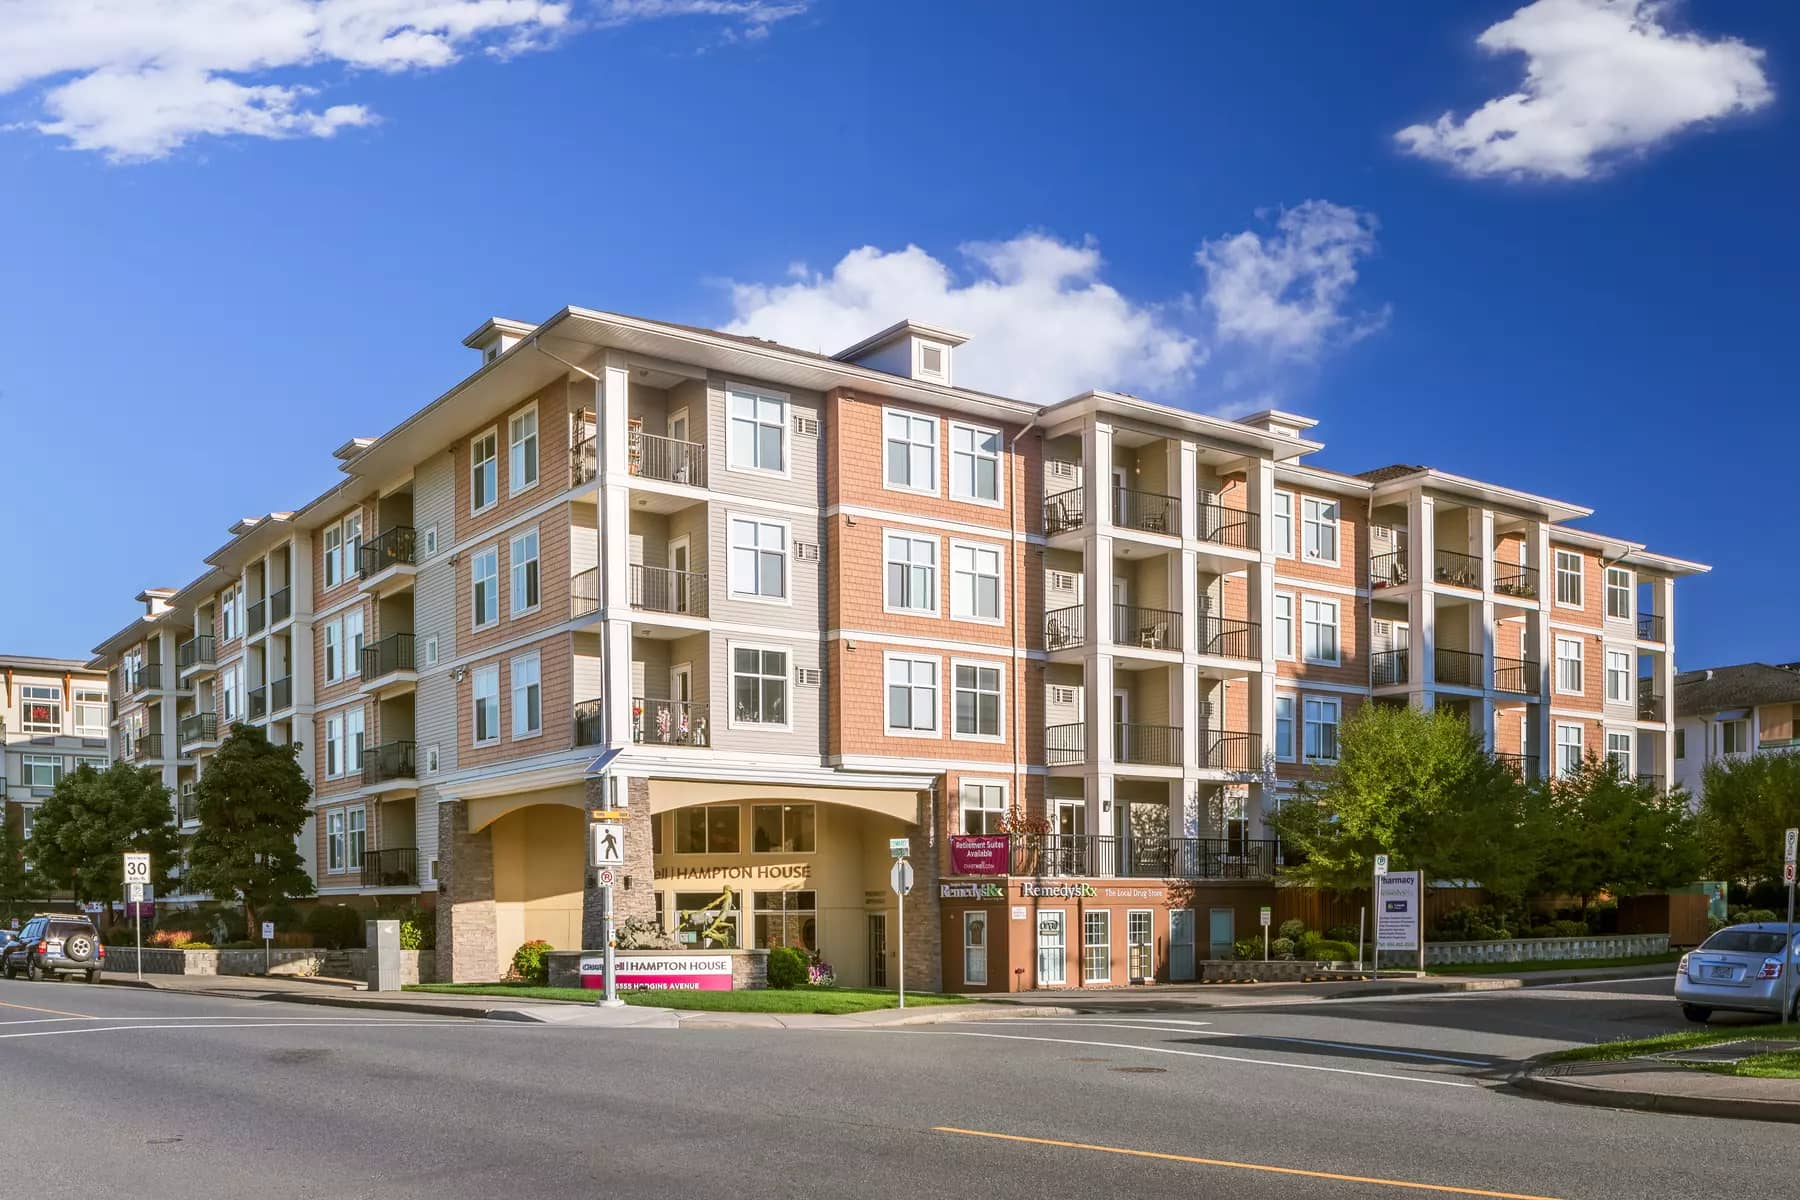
<point>53,718</point>
<point>1725,713</point>
<point>783,607</point>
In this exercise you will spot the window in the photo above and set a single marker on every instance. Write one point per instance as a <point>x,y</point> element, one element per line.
<point>1568,578</point>
<point>431,758</point>
<point>334,746</point>
<point>708,920</point>
<point>522,451</point>
<point>334,840</point>
<point>781,828</point>
<point>1618,593</point>
<point>1321,729</point>
<point>911,572</point>
<point>90,712</point>
<point>1618,676</point>
<point>334,651</point>
<point>1734,737</point>
<point>41,707</point>
<point>983,807</point>
<point>759,683</point>
<point>787,919</point>
<point>758,558</point>
<point>358,838</point>
<point>974,582</point>
<point>911,451</point>
<point>428,540</point>
<point>1319,619</point>
<point>527,696</point>
<point>1681,743</point>
<point>352,543</point>
<point>976,693</point>
<point>353,741</point>
<point>1284,728</point>
<point>483,486</point>
<point>1568,749</point>
<point>1618,752</point>
<point>484,576</point>
<point>1096,946</point>
<point>486,693</point>
<point>27,818</point>
<point>1284,524</point>
<point>523,554</point>
<point>1284,625</point>
<point>931,360</point>
<point>707,829</point>
<point>353,641</point>
<point>230,612</point>
<point>431,651</point>
<point>228,692</point>
<point>912,695</point>
<point>334,574</point>
<point>1568,665</point>
<point>974,463</point>
<point>42,770</point>
<point>1319,530</point>
<point>758,433</point>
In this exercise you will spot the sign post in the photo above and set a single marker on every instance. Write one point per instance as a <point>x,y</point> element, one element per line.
<point>1397,925</point>
<point>268,936</point>
<point>1381,866</point>
<point>1268,915</point>
<point>901,880</point>
<point>137,875</point>
<point>606,851</point>
<point>1790,853</point>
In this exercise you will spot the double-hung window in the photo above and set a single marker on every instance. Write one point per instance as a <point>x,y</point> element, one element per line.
<point>758,558</point>
<point>523,554</point>
<point>334,746</point>
<point>974,582</point>
<point>1618,752</point>
<point>1319,619</point>
<point>1568,578</point>
<point>1618,676</point>
<point>90,712</point>
<point>522,451</point>
<point>1568,665</point>
<point>352,544</point>
<point>41,707</point>
<point>334,651</point>
<point>484,484</point>
<point>1284,728</point>
<point>484,578</point>
<point>485,693</point>
<point>911,563</point>
<point>976,695</point>
<point>334,573</point>
<point>974,463</point>
<point>1321,730</point>
<point>1283,521</point>
<point>527,696</point>
<point>358,838</point>
<point>910,451</point>
<point>353,741</point>
<point>1284,625</point>
<point>1319,530</point>
<point>983,807</point>
<point>758,431</point>
<point>334,840</point>
<point>759,684</point>
<point>1734,736</point>
<point>1568,749</point>
<point>353,642</point>
<point>912,694</point>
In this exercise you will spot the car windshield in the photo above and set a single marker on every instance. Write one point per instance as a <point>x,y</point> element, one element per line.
<point>1749,941</point>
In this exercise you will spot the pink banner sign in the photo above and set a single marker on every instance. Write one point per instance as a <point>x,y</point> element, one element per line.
<point>979,853</point>
<point>661,972</point>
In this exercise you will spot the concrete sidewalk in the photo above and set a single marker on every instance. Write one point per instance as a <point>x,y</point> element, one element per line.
<point>1652,1086</point>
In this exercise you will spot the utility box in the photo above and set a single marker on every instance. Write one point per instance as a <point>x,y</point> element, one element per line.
<point>383,940</point>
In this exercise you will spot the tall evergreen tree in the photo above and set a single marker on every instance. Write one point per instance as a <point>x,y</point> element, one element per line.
<point>1605,833</point>
<point>82,832</point>
<point>252,802</point>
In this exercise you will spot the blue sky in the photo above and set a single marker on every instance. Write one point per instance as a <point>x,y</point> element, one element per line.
<point>1577,283</point>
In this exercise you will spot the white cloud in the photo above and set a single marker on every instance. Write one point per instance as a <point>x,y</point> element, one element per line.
<point>1604,79</point>
<point>1288,293</point>
<point>137,79</point>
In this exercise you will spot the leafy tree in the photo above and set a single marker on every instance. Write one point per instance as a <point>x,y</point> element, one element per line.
<point>1746,804</point>
<point>252,803</point>
<point>1602,832</point>
<point>17,886</point>
<point>1418,787</point>
<point>91,819</point>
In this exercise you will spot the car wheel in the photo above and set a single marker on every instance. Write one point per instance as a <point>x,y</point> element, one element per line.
<point>1696,1013</point>
<point>31,971</point>
<point>11,971</point>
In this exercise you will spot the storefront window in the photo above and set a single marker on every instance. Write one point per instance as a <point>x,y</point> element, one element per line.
<point>712,829</point>
<point>708,920</point>
<point>1096,946</point>
<point>783,827</point>
<point>787,919</point>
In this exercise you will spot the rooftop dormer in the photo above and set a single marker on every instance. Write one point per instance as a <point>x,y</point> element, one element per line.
<point>909,350</point>
<point>1273,420</point>
<point>495,337</point>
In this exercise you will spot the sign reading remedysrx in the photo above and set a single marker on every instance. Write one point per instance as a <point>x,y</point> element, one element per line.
<point>979,853</point>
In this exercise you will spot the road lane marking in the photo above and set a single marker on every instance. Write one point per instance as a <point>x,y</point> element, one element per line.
<point>55,1012</point>
<point>93,1029</point>
<point>1265,1168</point>
<point>1266,1037</point>
<point>1258,1062</point>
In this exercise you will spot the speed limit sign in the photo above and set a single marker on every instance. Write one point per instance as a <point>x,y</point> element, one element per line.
<point>137,868</point>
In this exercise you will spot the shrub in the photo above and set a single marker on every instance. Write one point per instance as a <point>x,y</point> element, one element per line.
<point>1247,949</point>
<point>788,967</point>
<point>418,929</point>
<point>1325,950</point>
<point>1474,923</point>
<point>821,974</point>
<point>1568,929</point>
<point>287,918</point>
<point>531,963</point>
<point>193,945</point>
<point>335,926</point>
<point>1291,929</point>
<point>168,939</point>
<point>1306,945</point>
<point>1282,949</point>
<point>1342,933</point>
<point>1752,916</point>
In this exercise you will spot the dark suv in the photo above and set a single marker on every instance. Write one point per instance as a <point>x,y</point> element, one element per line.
<point>54,945</point>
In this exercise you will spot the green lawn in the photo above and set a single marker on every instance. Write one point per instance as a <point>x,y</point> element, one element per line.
<point>1781,1065</point>
<point>828,1000</point>
<point>1562,964</point>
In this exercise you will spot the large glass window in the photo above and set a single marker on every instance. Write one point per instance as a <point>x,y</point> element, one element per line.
<point>90,712</point>
<point>42,770</point>
<point>483,484</point>
<point>41,707</point>
<point>983,807</point>
<point>974,463</point>
<point>1321,729</point>
<point>522,451</point>
<point>974,582</point>
<point>1320,621</point>
<point>787,919</point>
<point>976,693</point>
<point>1618,593</point>
<point>912,694</point>
<point>708,920</point>
<point>911,451</point>
<point>758,558</point>
<point>1568,578</point>
<point>707,829</point>
<point>485,692</point>
<point>1319,529</point>
<point>527,696</point>
<point>484,580</point>
<point>758,432</point>
<point>759,682</point>
<point>1568,665</point>
<point>523,554</point>
<point>781,828</point>
<point>1096,946</point>
<point>911,564</point>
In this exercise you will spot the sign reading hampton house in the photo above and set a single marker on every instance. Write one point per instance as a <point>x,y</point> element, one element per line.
<point>717,874</point>
<point>661,972</point>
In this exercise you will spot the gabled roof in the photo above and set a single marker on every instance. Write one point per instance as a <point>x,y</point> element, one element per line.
<point>1745,685</point>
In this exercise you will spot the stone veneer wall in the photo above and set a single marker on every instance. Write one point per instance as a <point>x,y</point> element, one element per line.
<point>416,966</point>
<point>1520,950</point>
<point>634,894</point>
<point>924,910</point>
<point>465,909</point>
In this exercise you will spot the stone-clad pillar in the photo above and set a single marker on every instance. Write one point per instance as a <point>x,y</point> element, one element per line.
<point>924,911</point>
<point>634,892</point>
<point>465,911</point>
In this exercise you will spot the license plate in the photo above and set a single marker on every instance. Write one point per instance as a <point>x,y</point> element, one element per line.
<point>1720,972</point>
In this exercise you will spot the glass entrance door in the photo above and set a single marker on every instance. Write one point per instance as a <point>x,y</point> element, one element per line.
<point>975,949</point>
<point>1221,932</point>
<point>1052,949</point>
<point>1140,946</point>
<point>1181,945</point>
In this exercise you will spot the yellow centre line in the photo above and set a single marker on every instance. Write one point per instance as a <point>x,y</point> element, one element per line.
<point>1241,1166</point>
<point>55,1012</point>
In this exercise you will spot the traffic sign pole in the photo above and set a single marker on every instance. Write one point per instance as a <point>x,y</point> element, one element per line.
<point>606,851</point>
<point>1381,866</point>
<point>137,875</point>
<point>1790,852</point>
<point>901,880</point>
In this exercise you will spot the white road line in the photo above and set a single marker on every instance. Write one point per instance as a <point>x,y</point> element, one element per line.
<point>92,1029</point>
<point>1266,1037</point>
<point>1232,1058</point>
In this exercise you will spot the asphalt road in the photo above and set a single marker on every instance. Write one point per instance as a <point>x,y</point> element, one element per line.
<point>115,1091</point>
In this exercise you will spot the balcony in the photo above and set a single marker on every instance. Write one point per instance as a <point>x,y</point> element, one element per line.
<point>1453,568</point>
<point>668,459</point>
<point>1222,750</point>
<point>392,655</point>
<point>588,720</point>
<point>584,593</point>
<point>391,558</point>
<point>1649,701</point>
<point>257,702</point>
<point>256,618</point>
<point>1151,512</point>
<point>1065,745</point>
<point>1514,579</point>
<point>197,651</point>
<point>147,748</point>
<point>1524,767</point>
<point>281,694</point>
<point>1223,637</point>
<point>1388,570</point>
<point>199,727</point>
<point>1457,668</point>
<point>1103,856</point>
<point>1065,511</point>
<point>1655,780</point>
<point>1147,745</point>
<point>281,605</point>
<point>149,675</point>
<point>584,461</point>
<point>661,722</point>
<point>659,589</point>
<point>187,809</point>
<point>1234,527</point>
<point>389,762</point>
<point>1389,667</point>
<point>1516,675</point>
<point>1146,628</point>
<point>1650,627</point>
<point>1065,628</point>
<point>398,867</point>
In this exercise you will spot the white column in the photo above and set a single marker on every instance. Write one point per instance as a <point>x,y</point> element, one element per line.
<point>1485,715</point>
<point>1421,516</point>
<point>1664,674</point>
<point>611,410</point>
<point>1543,649</point>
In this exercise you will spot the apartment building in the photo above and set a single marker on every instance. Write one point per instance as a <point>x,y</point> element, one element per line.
<point>1727,713</point>
<point>53,718</point>
<point>783,607</point>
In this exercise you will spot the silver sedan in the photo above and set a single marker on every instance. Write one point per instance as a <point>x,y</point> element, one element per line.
<point>1737,969</point>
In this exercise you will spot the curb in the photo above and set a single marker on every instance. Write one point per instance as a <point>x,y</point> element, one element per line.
<point>324,1000</point>
<point>1566,1091</point>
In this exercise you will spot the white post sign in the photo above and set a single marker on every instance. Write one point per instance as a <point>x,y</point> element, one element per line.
<point>1267,916</point>
<point>901,880</point>
<point>137,875</point>
<point>1790,850</point>
<point>1397,911</point>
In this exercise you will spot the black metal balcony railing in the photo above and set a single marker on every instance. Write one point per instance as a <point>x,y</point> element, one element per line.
<point>663,722</point>
<point>1516,579</point>
<point>1523,766</point>
<point>1389,667</point>
<point>1516,675</point>
<point>588,723</point>
<point>399,546</point>
<point>147,746</point>
<point>388,761</point>
<point>256,617</point>
<point>1456,568</point>
<point>149,675</point>
<point>394,867</point>
<point>1065,745</point>
<point>1065,628</point>
<point>199,727</point>
<point>1146,628</point>
<point>1065,510</point>
<point>281,694</point>
<point>1147,745</point>
<point>187,808</point>
<point>1388,570</point>
<point>659,589</point>
<point>668,459</point>
<point>1224,750</point>
<point>1649,701</point>
<point>584,461</point>
<point>1458,668</point>
<point>1151,512</point>
<point>584,592</point>
<point>194,652</point>
<point>1652,778</point>
<point>281,605</point>
<point>1650,627</point>
<point>1063,855</point>
<point>1222,526</point>
<point>1228,638</point>
<point>257,702</point>
<point>392,653</point>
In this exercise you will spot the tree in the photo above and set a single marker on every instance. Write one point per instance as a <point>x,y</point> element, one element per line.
<point>1418,787</point>
<point>91,819</point>
<point>252,802</point>
<point>1602,832</point>
<point>16,882</point>
<point>1746,804</point>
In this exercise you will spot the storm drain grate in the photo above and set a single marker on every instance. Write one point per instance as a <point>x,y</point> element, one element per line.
<point>1727,1052</point>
